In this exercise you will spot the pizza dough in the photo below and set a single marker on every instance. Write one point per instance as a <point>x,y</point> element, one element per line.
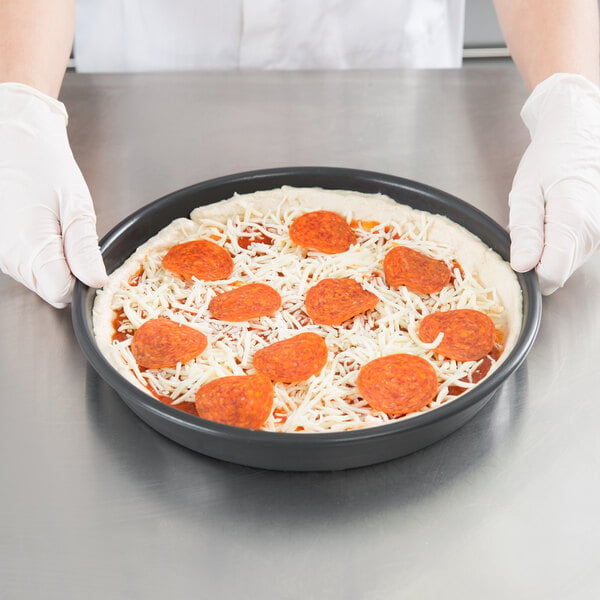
<point>254,230</point>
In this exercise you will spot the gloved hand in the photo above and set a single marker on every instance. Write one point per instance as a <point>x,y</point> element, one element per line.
<point>555,198</point>
<point>47,220</point>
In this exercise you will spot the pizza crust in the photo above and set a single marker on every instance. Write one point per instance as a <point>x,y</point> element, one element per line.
<point>473,255</point>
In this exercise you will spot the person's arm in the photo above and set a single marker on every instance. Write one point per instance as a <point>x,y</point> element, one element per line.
<point>555,197</point>
<point>35,42</point>
<point>47,221</point>
<point>551,36</point>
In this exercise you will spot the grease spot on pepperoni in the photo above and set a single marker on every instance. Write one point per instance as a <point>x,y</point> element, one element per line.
<point>415,270</point>
<point>202,259</point>
<point>322,230</point>
<point>468,333</point>
<point>294,359</point>
<point>162,343</point>
<point>246,302</point>
<point>398,384</point>
<point>333,301</point>
<point>239,400</point>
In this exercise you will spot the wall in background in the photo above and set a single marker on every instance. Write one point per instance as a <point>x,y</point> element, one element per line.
<point>481,25</point>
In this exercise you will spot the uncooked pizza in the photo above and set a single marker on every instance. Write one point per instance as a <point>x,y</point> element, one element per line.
<point>309,310</point>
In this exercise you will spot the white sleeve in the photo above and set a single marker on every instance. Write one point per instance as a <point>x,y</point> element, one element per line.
<point>156,35</point>
<point>354,34</point>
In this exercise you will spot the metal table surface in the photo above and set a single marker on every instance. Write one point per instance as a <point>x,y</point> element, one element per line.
<point>95,504</point>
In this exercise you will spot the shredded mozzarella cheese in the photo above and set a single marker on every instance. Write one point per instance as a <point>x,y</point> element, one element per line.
<point>330,401</point>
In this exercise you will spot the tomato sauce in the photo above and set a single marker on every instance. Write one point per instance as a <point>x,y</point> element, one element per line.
<point>118,321</point>
<point>280,415</point>
<point>366,225</point>
<point>255,238</point>
<point>135,278</point>
<point>484,367</point>
<point>456,265</point>
<point>187,407</point>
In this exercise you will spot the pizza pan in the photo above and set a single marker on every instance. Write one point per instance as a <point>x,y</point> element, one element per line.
<point>302,451</point>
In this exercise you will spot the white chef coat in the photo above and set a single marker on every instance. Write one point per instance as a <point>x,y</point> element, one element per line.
<point>158,35</point>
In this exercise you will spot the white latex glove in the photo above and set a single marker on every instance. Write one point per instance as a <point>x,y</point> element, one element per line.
<point>47,221</point>
<point>555,198</point>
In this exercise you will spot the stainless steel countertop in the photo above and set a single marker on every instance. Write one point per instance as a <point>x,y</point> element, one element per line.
<point>96,505</point>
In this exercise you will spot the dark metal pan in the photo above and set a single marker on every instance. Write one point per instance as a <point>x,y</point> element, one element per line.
<point>297,451</point>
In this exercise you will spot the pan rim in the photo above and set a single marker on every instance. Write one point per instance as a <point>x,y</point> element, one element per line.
<point>532,308</point>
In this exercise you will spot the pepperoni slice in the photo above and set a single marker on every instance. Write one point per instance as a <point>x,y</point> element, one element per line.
<point>398,384</point>
<point>421,273</point>
<point>294,359</point>
<point>333,301</point>
<point>202,259</point>
<point>161,343</point>
<point>239,400</point>
<point>468,334</point>
<point>322,230</point>
<point>246,302</point>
